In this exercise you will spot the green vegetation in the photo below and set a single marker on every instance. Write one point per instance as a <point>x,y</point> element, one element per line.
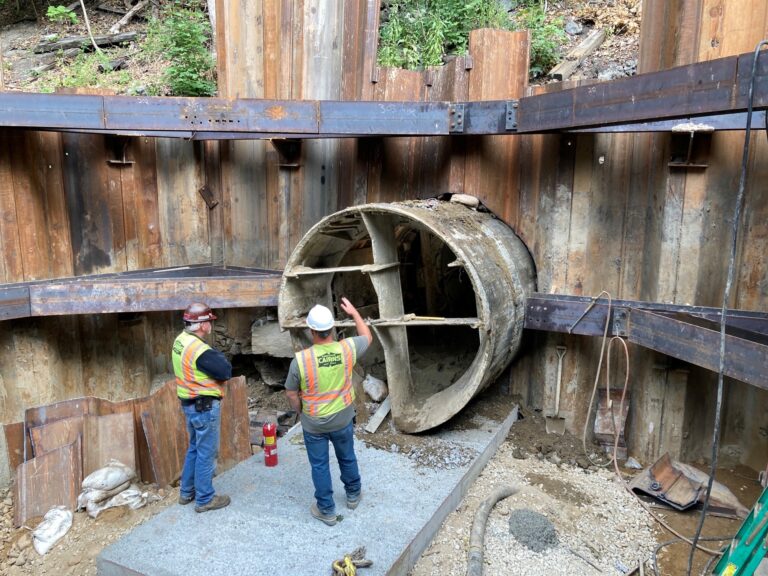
<point>419,33</point>
<point>181,36</point>
<point>90,69</point>
<point>545,38</point>
<point>61,14</point>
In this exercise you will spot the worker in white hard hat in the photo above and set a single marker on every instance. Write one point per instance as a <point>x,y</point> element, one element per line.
<point>319,387</point>
<point>201,373</point>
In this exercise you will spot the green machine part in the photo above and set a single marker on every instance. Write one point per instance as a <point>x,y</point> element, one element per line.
<point>749,547</point>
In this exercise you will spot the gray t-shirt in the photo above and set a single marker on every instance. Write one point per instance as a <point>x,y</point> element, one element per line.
<point>334,422</point>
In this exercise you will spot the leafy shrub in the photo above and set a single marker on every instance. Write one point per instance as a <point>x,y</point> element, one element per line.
<point>545,38</point>
<point>418,33</point>
<point>61,14</point>
<point>181,35</point>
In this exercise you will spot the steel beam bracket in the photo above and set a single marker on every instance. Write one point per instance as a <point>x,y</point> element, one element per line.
<point>621,322</point>
<point>510,122</point>
<point>456,115</point>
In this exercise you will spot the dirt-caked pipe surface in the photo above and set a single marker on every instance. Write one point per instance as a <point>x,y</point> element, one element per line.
<point>442,285</point>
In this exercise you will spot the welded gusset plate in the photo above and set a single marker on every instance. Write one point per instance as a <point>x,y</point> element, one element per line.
<point>14,302</point>
<point>744,360</point>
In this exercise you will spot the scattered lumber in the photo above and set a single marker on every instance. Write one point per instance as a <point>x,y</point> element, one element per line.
<point>576,56</point>
<point>378,417</point>
<point>84,41</point>
<point>128,16</point>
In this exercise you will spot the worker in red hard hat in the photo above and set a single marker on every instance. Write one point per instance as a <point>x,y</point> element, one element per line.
<point>319,387</point>
<point>201,373</point>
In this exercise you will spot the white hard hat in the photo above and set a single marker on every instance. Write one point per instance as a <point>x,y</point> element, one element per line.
<point>320,318</point>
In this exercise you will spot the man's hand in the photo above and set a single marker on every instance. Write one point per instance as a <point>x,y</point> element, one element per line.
<point>347,306</point>
<point>360,325</point>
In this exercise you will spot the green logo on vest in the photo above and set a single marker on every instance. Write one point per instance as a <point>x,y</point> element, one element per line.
<point>329,359</point>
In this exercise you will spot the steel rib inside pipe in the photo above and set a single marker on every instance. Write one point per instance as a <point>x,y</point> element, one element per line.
<point>443,285</point>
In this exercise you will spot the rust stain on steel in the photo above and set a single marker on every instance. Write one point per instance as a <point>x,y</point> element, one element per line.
<point>276,112</point>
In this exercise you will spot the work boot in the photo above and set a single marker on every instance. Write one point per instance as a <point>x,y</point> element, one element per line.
<point>183,500</point>
<point>353,502</point>
<point>218,501</point>
<point>329,519</point>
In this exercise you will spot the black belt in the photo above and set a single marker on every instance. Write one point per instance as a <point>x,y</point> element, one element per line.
<point>191,401</point>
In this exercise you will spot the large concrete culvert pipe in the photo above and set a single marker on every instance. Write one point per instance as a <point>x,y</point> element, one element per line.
<point>443,285</point>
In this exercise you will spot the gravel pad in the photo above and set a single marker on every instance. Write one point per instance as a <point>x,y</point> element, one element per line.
<point>532,530</point>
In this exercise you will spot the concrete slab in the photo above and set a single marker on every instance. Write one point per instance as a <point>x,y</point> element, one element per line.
<point>268,529</point>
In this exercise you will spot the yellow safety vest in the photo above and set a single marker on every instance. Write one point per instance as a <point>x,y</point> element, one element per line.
<point>326,377</point>
<point>191,382</point>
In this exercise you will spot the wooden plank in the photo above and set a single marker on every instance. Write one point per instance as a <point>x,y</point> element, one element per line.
<point>52,479</point>
<point>235,435</point>
<point>378,417</point>
<point>575,57</point>
<point>30,206</point>
<point>15,438</point>
<point>500,71</point>
<point>50,437</point>
<point>164,435</point>
<point>91,212</point>
<point>109,437</point>
<point>608,199</point>
<point>59,246</point>
<point>41,415</point>
<point>183,215</point>
<point>149,236</point>
<point>11,267</point>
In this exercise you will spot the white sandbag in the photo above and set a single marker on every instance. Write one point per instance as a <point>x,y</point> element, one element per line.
<point>132,497</point>
<point>56,522</point>
<point>110,476</point>
<point>375,388</point>
<point>93,495</point>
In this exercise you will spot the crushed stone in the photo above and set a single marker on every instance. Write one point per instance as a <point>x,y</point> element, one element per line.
<point>532,530</point>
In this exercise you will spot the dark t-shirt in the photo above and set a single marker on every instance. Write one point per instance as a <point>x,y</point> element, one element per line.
<point>336,421</point>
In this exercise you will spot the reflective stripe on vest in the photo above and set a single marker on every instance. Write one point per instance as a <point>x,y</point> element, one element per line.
<point>191,382</point>
<point>326,378</point>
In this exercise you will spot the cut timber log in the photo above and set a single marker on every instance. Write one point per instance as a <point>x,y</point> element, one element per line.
<point>85,41</point>
<point>128,17</point>
<point>576,56</point>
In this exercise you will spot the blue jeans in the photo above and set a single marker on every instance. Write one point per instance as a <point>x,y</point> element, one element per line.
<point>197,475</point>
<point>317,451</point>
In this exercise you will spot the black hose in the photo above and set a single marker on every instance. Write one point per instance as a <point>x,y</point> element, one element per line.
<point>654,555</point>
<point>476,536</point>
<point>726,298</point>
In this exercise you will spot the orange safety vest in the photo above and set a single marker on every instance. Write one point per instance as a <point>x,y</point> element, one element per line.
<point>190,381</point>
<point>326,377</point>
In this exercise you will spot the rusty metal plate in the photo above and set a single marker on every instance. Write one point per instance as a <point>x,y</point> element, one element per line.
<point>210,114</point>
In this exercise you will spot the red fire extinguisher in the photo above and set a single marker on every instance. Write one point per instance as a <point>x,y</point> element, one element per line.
<point>270,443</point>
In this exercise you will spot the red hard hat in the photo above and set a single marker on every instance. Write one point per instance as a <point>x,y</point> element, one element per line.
<point>198,312</point>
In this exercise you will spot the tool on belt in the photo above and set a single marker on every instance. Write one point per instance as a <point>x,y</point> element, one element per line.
<point>348,565</point>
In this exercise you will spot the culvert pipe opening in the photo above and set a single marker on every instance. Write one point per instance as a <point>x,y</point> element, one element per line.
<point>442,285</point>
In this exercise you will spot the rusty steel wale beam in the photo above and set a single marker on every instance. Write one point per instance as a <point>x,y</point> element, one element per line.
<point>688,333</point>
<point>705,88</point>
<point>699,92</point>
<point>141,291</point>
